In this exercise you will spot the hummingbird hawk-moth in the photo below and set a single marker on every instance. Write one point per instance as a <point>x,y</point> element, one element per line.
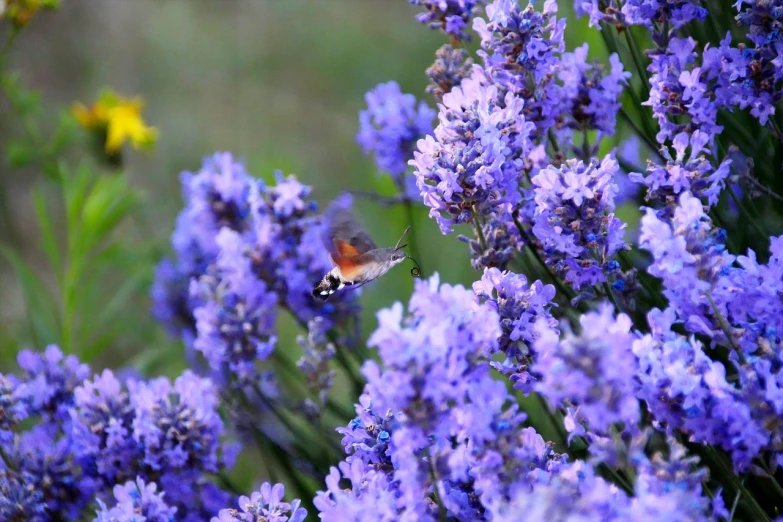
<point>357,260</point>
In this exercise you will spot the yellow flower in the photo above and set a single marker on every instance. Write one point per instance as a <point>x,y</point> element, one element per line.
<point>21,11</point>
<point>119,119</point>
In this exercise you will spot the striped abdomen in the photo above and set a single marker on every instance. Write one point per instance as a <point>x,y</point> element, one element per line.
<point>329,285</point>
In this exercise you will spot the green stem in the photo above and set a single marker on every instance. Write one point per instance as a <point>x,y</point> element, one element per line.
<point>734,504</point>
<point>610,295</point>
<point>442,513</point>
<point>655,147</point>
<point>8,42</point>
<point>724,324</point>
<point>412,234</point>
<point>478,225</point>
<point>552,140</point>
<point>637,59</point>
<point>585,146</point>
<point>776,129</point>
<point>738,485</point>
<point>775,484</point>
<point>745,211</point>
<point>557,426</point>
<point>227,483</point>
<point>9,463</point>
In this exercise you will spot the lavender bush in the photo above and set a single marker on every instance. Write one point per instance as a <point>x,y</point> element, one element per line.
<point>601,367</point>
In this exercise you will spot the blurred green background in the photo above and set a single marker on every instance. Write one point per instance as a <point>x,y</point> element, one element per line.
<point>279,83</point>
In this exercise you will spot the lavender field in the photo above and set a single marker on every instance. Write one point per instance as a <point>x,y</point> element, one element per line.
<point>594,195</point>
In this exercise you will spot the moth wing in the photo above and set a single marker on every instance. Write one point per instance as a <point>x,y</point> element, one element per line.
<point>344,237</point>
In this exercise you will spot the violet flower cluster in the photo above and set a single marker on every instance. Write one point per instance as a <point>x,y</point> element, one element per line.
<point>496,123</point>
<point>390,127</point>
<point>435,429</point>
<point>83,438</point>
<point>575,221</point>
<point>244,251</point>
<point>524,311</point>
<point>450,16</point>
<point>733,301</point>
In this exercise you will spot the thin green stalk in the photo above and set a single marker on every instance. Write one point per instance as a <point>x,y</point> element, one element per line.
<point>610,295</point>
<point>8,42</point>
<point>776,129</point>
<point>478,225</point>
<point>414,243</point>
<point>551,136</point>
<point>289,425</point>
<point>775,484</point>
<point>442,513</point>
<point>724,324</point>
<point>9,463</point>
<point>745,211</point>
<point>735,503</point>
<point>656,148</point>
<point>611,46</point>
<point>557,426</point>
<point>227,483</point>
<point>738,485</point>
<point>637,59</point>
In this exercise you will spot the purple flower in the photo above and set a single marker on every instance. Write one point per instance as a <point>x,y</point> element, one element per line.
<point>243,250</point>
<point>13,407</point>
<point>687,391</point>
<point>592,90</point>
<point>592,372</point>
<point>44,460</point>
<point>471,164</point>
<point>48,380</point>
<point>654,13</point>
<point>216,196</point>
<point>102,427</point>
<point>689,256</point>
<point>520,306</point>
<point>136,501</point>
<point>575,220</point>
<point>20,499</point>
<point>685,172</point>
<point>451,16</point>
<point>314,364</point>
<point>264,504</point>
<point>390,127</point>
<point>451,66</point>
<point>372,497</point>
<point>576,493</point>
<point>177,426</point>
<point>152,429</point>
<point>235,324</point>
<point>522,51</point>
<point>432,416</point>
<point>679,87</point>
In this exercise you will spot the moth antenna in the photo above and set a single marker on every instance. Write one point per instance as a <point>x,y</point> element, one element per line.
<point>416,270</point>
<point>397,246</point>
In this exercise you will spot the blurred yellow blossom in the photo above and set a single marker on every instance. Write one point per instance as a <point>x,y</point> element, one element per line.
<point>19,12</point>
<point>118,119</point>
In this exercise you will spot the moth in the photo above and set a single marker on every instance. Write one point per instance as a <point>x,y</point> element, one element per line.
<point>357,260</point>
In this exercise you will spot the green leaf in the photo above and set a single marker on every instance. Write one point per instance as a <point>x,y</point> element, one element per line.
<point>49,242</point>
<point>18,154</point>
<point>40,308</point>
